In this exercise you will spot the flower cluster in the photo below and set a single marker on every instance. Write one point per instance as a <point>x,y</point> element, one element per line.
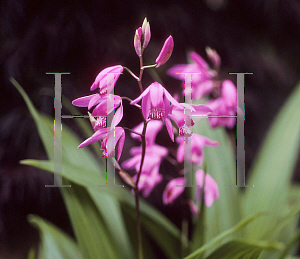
<point>205,83</point>
<point>158,107</point>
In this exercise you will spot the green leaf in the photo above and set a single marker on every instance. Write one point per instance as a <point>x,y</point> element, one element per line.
<point>54,242</point>
<point>45,130</point>
<point>282,222</point>
<point>91,233</point>
<point>163,232</point>
<point>240,249</point>
<point>111,212</point>
<point>70,153</point>
<point>273,168</point>
<point>292,242</point>
<point>215,241</point>
<point>220,161</point>
<point>31,254</point>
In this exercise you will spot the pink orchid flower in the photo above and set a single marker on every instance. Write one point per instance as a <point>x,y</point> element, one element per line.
<point>156,104</point>
<point>109,136</point>
<point>196,155</point>
<point>165,52</point>
<point>176,187</point>
<point>211,189</point>
<point>154,154</point>
<point>193,207</point>
<point>179,116</point>
<point>150,176</point>
<point>172,191</point>
<point>153,127</point>
<point>102,102</point>
<point>148,180</point>
<point>224,107</point>
<point>106,83</point>
<point>202,77</point>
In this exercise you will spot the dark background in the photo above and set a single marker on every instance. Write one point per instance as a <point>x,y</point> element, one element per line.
<point>84,37</point>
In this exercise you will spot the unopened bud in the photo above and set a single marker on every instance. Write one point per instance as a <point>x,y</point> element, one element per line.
<point>137,41</point>
<point>165,52</point>
<point>127,178</point>
<point>146,34</point>
<point>144,25</point>
<point>213,56</point>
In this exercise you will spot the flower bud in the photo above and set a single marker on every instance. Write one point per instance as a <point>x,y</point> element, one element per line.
<point>144,25</point>
<point>146,33</point>
<point>213,56</point>
<point>165,52</point>
<point>137,41</point>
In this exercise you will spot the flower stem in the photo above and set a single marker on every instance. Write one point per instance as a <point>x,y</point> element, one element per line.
<point>125,128</point>
<point>141,74</point>
<point>140,251</point>
<point>131,73</point>
<point>128,99</point>
<point>136,191</point>
<point>149,66</point>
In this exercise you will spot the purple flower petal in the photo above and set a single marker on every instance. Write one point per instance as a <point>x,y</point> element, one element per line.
<point>84,101</point>
<point>156,94</point>
<point>170,128</point>
<point>97,136</point>
<point>165,52</point>
<point>172,191</point>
